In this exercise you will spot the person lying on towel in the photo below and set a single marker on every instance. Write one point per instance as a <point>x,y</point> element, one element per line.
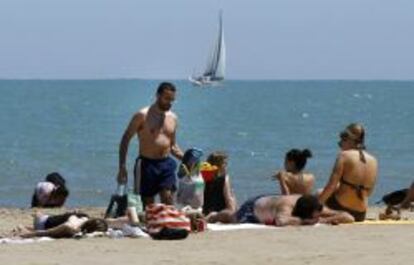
<point>283,210</point>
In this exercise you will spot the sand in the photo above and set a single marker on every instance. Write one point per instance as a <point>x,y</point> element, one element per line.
<point>343,244</point>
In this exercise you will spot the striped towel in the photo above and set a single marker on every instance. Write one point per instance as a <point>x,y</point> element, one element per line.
<point>161,216</point>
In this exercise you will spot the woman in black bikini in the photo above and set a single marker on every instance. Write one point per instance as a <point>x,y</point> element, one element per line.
<point>354,175</point>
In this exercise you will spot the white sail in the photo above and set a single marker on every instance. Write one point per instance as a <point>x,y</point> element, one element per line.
<point>216,62</point>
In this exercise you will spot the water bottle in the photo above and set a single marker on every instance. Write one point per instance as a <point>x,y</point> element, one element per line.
<point>199,189</point>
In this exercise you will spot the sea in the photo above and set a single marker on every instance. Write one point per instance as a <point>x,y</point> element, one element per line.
<point>74,127</point>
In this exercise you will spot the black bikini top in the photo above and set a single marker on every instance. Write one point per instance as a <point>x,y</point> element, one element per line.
<point>358,188</point>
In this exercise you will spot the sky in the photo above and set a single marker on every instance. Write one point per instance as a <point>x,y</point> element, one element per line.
<point>160,39</point>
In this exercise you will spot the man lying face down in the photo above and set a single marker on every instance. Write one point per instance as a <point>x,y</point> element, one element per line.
<point>282,210</point>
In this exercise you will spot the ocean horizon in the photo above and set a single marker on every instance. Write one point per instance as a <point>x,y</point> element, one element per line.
<point>74,127</point>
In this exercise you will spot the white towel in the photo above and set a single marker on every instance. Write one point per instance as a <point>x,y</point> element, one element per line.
<point>228,227</point>
<point>18,240</point>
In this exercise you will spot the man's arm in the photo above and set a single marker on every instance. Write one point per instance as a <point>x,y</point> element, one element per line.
<point>329,216</point>
<point>336,175</point>
<point>285,219</point>
<point>131,130</point>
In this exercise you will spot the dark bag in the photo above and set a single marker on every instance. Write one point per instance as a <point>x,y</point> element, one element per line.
<point>56,179</point>
<point>117,206</point>
<point>395,197</point>
<point>170,234</point>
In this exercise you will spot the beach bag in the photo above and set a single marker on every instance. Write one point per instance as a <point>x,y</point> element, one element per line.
<point>165,222</point>
<point>191,156</point>
<point>120,201</point>
<point>117,206</point>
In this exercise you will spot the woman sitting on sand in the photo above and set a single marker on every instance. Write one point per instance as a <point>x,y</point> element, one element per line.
<point>50,193</point>
<point>293,180</point>
<point>353,177</point>
<point>218,193</point>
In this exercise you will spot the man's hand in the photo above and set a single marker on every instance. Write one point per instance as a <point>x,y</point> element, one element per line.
<point>122,175</point>
<point>310,221</point>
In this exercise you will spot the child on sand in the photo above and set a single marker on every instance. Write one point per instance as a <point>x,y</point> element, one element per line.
<point>218,194</point>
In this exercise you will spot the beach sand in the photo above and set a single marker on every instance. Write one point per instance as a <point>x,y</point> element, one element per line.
<point>343,244</point>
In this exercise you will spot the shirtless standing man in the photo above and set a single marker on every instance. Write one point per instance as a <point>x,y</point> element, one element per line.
<point>155,127</point>
<point>353,177</point>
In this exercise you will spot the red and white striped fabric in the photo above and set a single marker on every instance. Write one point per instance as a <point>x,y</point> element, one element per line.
<point>161,216</point>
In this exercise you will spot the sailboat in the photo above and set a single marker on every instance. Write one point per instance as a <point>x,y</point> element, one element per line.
<point>216,63</point>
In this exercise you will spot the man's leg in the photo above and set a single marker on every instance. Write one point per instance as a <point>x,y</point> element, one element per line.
<point>167,197</point>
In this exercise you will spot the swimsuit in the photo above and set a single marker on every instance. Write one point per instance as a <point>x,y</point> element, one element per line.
<point>214,200</point>
<point>358,188</point>
<point>333,204</point>
<point>154,175</point>
<point>246,212</point>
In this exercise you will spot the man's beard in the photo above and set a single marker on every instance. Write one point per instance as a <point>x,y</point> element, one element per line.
<point>165,107</point>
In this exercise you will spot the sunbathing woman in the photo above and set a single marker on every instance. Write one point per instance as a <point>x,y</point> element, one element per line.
<point>353,177</point>
<point>62,225</point>
<point>71,223</point>
<point>293,180</point>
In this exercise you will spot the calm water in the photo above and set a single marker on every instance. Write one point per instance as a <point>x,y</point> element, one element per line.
<point>74,127</point>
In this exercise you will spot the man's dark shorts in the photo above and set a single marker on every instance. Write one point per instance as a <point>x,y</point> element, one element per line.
<point>246,212</point>
<point>154,175</point>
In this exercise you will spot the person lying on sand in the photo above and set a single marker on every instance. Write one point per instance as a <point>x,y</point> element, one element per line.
<point>68,224</point>
<point>61,226</point>
<point>284,210</point>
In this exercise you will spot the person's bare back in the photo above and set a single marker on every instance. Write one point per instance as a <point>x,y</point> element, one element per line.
<point>357,173</point>
<point>354,175</point>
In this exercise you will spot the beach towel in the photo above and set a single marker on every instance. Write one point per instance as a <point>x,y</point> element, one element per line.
<point>385,222</point>
<point>228,227</point>
<point>17,240</point>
